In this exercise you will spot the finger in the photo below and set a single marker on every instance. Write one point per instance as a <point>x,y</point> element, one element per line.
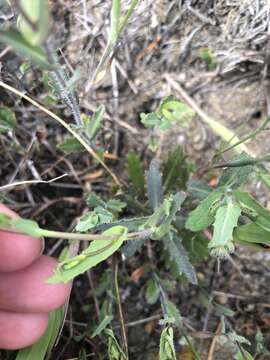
<point>20,330</point>
<point>26,290</point>
<point>17,251</point>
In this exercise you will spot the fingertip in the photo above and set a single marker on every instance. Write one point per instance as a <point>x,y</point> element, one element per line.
<point>19,330</point>
<point>27,290</point>
<point>18,251</point>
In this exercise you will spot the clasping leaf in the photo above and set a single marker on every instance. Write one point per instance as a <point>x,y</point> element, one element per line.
<point>226,220</point>
<point>98,251</point>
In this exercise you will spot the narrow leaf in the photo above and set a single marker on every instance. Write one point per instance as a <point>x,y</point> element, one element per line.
<point>114,350</point>
<point>19,44</point>
<point>175,172</point>
<point>44,345</point>
<point>154,185</point>
<point>115,23</point>
<point>136,173</point>
<point>179,256</point>
<point>37,13</point>
<point>103,324</point>
<point>131,247</point>
<point>93,124</point>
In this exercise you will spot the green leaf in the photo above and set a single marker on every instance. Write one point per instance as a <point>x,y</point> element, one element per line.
<point>102,326</point>
<point>196,246</point>
<point>7,119</point>
<point>94,200</point>
<point>132,224</point>
<point>208,57</point>
<point>45,344</point>
<point>198,189</point>
<point>244,355</point>
<point>166,345</point>
<point>179,256</point>
<point>251,233</point>
<point>154,185</point>
<point>25,226</point>
<point>173,313</point>
<point>87,221</point>
<point>115,20</point>
<point>152,292</point>
<point>136,173</point>
<point>114,350</point>
<point>259,214</point>
<point>175,172</point>
<point>69,145</point>
<point>35,14</point>
<point>82,355</point>
<point>174,206</point>
<point>235,176</point>
<point>92,125</point>
<point>21,46</point>
<point>234,337</point>
<point>203,216</point>
<point>162,212</point>
<point>4,221</point>
<point>98,251</point>
<point>175,110</point>
<point>93,218</point>
<point>131,247</point>
<point>103,284</point>
<point>149,120</point>
<point>265,178</point>
<point>115,205</point>
<point>226,220</point>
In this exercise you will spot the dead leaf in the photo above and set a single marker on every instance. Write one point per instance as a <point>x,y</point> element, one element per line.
<point>136,274</point>
<point>93,175</point>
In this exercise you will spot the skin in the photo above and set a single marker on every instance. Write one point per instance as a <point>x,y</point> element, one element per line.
<point>25,298</point>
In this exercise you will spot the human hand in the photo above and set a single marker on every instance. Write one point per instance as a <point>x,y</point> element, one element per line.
<point>25,298</point>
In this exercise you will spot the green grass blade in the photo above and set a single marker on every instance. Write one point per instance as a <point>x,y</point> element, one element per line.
<point>22,47</point>
<point>115,16</point>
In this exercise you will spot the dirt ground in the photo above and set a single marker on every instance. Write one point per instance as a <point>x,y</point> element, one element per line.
<point>164,40</point>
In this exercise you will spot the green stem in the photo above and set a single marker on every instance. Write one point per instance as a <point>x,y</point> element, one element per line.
<point>90,237</point>
<point>74,236</point>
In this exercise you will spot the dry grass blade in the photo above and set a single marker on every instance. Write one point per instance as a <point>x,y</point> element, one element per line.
<point>219,129</point>
<point>64,124</point>
<point>29,182</point>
